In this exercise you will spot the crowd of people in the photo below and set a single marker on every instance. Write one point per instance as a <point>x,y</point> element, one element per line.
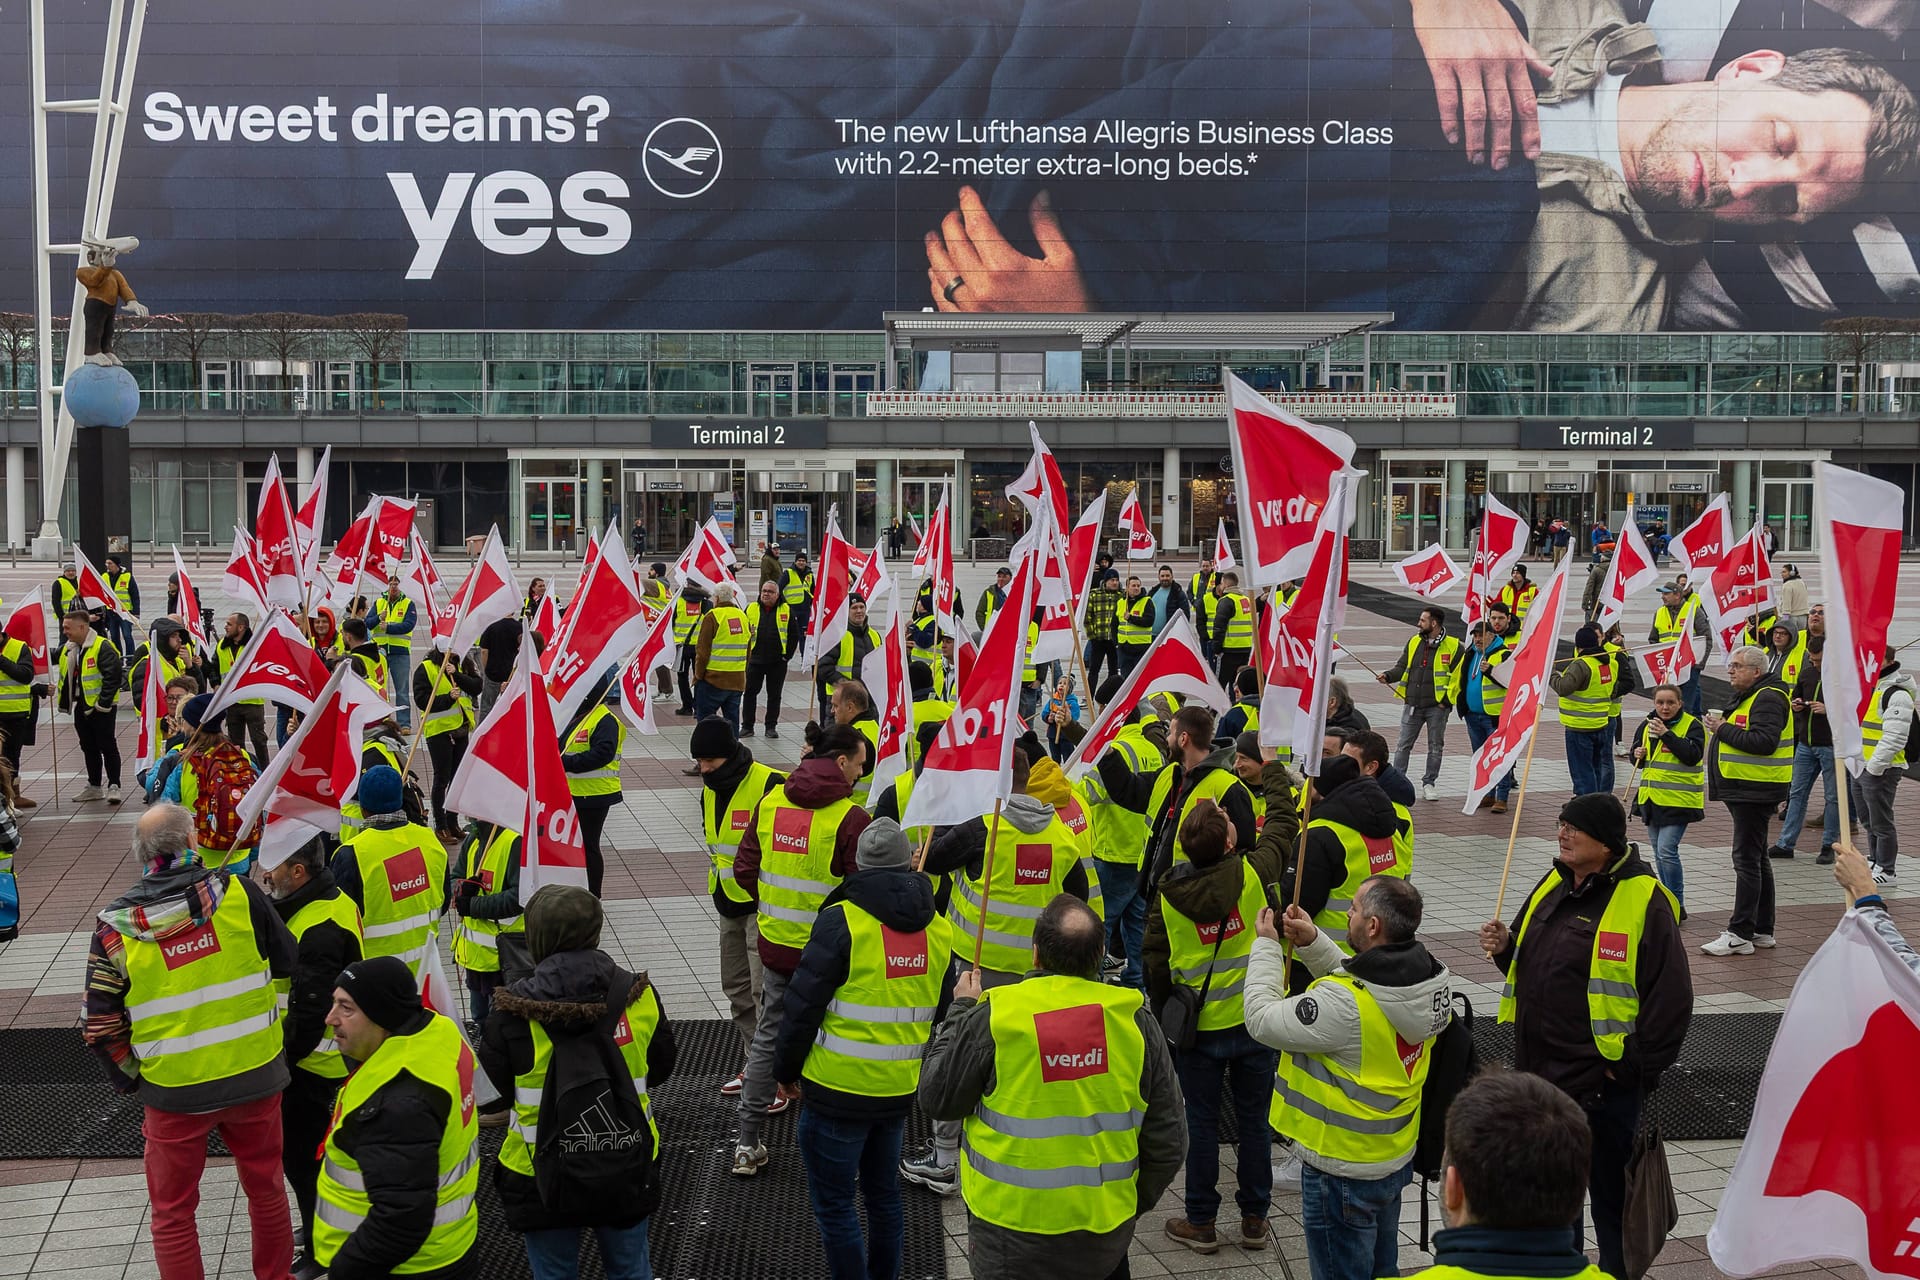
<point>1087,991</point>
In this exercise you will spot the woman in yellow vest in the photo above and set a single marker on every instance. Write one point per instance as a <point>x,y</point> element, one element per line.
<point>590,753</point>
<point>487,901</point>
<point>1670,751</point>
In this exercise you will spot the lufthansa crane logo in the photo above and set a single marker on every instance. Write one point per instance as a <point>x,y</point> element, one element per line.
<point>681,158</point>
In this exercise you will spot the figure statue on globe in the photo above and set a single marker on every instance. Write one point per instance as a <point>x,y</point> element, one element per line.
<point>106,290</point>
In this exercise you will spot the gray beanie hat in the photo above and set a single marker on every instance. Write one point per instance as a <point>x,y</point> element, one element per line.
<point>883,844</point>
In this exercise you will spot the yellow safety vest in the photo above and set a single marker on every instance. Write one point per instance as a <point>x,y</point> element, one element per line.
<point>1461,1273</point>
<point>1213,787</point>
<point>1446,668</point>
<point>1775,767</point>
<point>224,657</point>
<point>782,615</point>
<point>1128,630</point>
<point>605,780</point>
<point>843,665</point>
<point>631,1036</point>
<point>1192,957</point>
<point>725,830</point>
<point>200,1000</point>
<point>796,588</point>
<point>1493,695</point>
<point>1239,632</point>
<point>438,1058</point>
<point>16,696</point>
<point>391,611</point>
<point>1873,727</point>
<point>796,865</point>
<point>352,816</point>
<point>879,1021</point>
<point>728,651</point>
<point>686,617</point>
<point>455,718</point>
<point>403,877</point>
<point>869,729</point>
<point>325,1060</point>
<point>1613,993</point>
<point>1250,708</point>
<point>1119,834</point>
<point>1664,780</point>
<point>1518,602</point>
<point>1402,840</point>
<point>1064,1114</point>
<point>1365,1116</point>
<point>122,584</point>
<point>1592,707</point>
<point>89,672</point>
<point>1669,624</point>
<point>1027,673</point>
<point>1367,856</point>
<point>1027,872</point>
<point>1073,815</point>
<point>476,943</point>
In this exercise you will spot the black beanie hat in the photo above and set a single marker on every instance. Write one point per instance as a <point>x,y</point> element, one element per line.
<point>1336,773</point>
<point>1600,816</point>
<point>384,989</point>
<point>712,740</point>
<point>1248,744</point>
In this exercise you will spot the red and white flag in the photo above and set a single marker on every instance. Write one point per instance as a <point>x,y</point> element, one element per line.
<point>1284,470</point>
<point>1297,652</point>
<point>1526,688</point>
<point>1223,558</point>
<point>1083,548</point>
<point>1053,576</point>
<point>27,623</point>
<point>488,594</point>
<point>189,606</point>
<point>149,729</point>
<point>1632,570</point>
<point>421,583</point>
<point>1040,487</point>
<point>440,995</point>
<point>242,577</point>
<point>708,560</point>
<point>868,572</point>
<point>1501,542</point>
<point>926,551</point>
<point>833,587</point>
<point>884,672</point>
<point>1738,590</point>
<point>1830,1167</point>
<point>657,650</point>
<point>278,664</point>
<point>1859,522</point>
<point>512,777</point>
<point>589,555</point>
<point>318,769</point>
<point>969,767</point>
<point>546,614</point>
<point>392,531</point>
<point>94,588</point>
<point>1173,665</point>
<point>934,559</point>
<point>349,556</point>
<point>1704,543</point>
<point>309,522</point>
<point>1133,521</point>
<point>1430,573</point>
<point>276,541</point>
<point>281,837</point>
<point>603,627</point>
<point>1669,663</point>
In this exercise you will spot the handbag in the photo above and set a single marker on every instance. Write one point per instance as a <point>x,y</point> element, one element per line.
<point>1180,1015</point>
<point>1651,1211</point>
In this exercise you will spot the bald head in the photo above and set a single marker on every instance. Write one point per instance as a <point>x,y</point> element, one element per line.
<point>1069,939</point>
<point>164,831</point>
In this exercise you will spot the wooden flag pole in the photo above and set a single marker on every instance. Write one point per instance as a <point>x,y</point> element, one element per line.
<point>53,742</point>
<point>1299,878</point>
<point>986,885</point>
<point>1519,804</point>
<point>920,854</point>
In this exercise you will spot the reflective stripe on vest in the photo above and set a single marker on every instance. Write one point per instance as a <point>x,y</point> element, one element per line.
<point>686,617</point>
<point>1365,856</point>
<point>1873,727</point>
<point>632,1036</point>
<point>796,865</point>
<point>200,1001</point>
<point>1664,780</point>
<point>795,588</point>
<point>605,780</point>
<point>1119,834</point>
<point>90,672</point>
<point>391,611</point>
<point>1214,786</point>
<point>724,831</point>
<point>403,876</point>
<point>1775,768</point>
<point>1191,953</point>
<point>1592,707</point>
<point>878,1024</point>
<point>1027,872</point>
<point>782,616</point>
<point>455,718</point>
<point>122,584</point>
<point>325,1060</point>
<point>1065,1110</point>
<point>438,1058</point>
<point>1126,630</point>
<point>1613,997</point>
<point>1368,1116</point>
<point>727,652</point>
<point>1239,632</point>
<point>476,942</point>
<point>1446,667</point>
<point>16,696</point>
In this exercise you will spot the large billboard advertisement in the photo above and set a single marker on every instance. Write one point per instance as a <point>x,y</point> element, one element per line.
<point>1596,165</point>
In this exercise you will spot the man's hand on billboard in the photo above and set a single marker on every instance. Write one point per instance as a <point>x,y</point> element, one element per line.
<point>972,267</point>
<point>1483,72</point>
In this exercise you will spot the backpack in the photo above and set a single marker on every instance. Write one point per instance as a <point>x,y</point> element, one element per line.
<point>226,775</point>
<point>594,1157</point>
<point>413,800</point>
<point>9,906</point>
<point>1454,1062</point>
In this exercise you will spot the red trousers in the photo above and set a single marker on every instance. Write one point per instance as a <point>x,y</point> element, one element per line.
<point>177,1155</point>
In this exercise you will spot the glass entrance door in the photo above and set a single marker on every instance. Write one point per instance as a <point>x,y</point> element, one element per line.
<point>771,390</point>
<point>1416,512</point>
<point>552,514</point>
<point>1787,505</point>
<point>918,500</point>
<point>850,388</point>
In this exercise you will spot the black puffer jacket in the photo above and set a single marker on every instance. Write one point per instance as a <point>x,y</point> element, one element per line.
<point>901,900</point>
<point>1766,722</point>
<point>566,994</point>
<point>723,782</point>
<point>322,952</point>
<point>1360,804</point>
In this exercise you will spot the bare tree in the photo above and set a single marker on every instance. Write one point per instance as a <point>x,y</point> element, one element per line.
<point>286,338</point>
<point>16,343</point>
<point>1860,342</point>
<point>185,337</point>
<point>377,338</point>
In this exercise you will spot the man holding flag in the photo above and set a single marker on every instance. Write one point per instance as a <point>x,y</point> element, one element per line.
<point>1679,612</point>
<point>90,674</point>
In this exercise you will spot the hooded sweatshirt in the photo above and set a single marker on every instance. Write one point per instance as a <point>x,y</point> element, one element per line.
<point>1203,894</point>
<point>900,900</point>
<point>963,848</point>
<point>1403,978</point>
<point>1360,804</point>
<point>814,784</point>
<point>175,895</point>
<point>1896,718</point>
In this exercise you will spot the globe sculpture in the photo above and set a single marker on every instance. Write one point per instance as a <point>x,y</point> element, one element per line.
<point>100,395</point>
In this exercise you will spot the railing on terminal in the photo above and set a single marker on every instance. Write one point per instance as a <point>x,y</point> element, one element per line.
<point>1152,404</point>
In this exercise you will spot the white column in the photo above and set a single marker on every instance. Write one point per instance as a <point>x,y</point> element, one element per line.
<point>16,495</point>
<point>303,461</point>
<point>595,504</point>
<point>1170,491</point>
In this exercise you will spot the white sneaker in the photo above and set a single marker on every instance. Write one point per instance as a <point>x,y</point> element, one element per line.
<point>113,794</point>
<point>1429,791</point>
<point>1728,944</point>
<point>89,793</point>
<point>1286,1174</point>
<point>1764,941</point>
<point>1883,876</point>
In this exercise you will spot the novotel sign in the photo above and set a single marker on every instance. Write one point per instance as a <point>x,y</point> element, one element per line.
<point>739,433</point>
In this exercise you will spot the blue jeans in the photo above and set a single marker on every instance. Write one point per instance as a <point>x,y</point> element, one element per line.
<point>837,1153</point>
<point>1480,727</point>
<point>1590,760</point>
<point>1126,915</point>
<point>1248,1067</point>
<point>554,1254</point>
<point>1809,760</point>
<point>282,724</point>
<point>400,668</point>
<point>1666,858</point>
<point>711,701</point>
<point>1352,1224</point>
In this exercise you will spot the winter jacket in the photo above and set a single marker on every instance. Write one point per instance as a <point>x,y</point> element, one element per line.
<point>726,681</point>
<point>462,678</point>
<point>1896,717</point>
<point>899,899</point>
<point>566,994</point>
<point>962,849</point>
<point>1203,895</point>
<point>1408,984</point>
<point>159,638</point>
<point>1553,1028</point>
<point>112,673</point>
<point>813,784</point>
<point>1794,598</point>
<point>603,749</point>
<point>1397,785</point>
<point>958,1071</point>
<point>723,782</point>
<point>1810,726</point>
<point>1525,1255</point>
<point>1346,716</point>
<point>1134,791</point>
<point>394,1137</point>
<point>322,952</point>
<point>1765,723</point>
<point>1280,833</point>
<point>770,570</point>
<point>1688,749</point>
<point>171,898</point>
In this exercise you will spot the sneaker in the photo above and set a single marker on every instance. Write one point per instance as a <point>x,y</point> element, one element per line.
<point>747,731</point>
<point>1826,856</point>
<point>1728,944</point>
<point>493,1119</point>
<point>1253,1233</point>
<point>927,1171</point>
<point>749,1161</point>
<point>1499,806</point>
<point>1429,792</point>
<point>113,794</point>
<point>733,1087</point>
<point>306,1268</point>
<point>1286,1174</point>
<point>782,1099</point>
<point>89,793</point>
<point>1110,965</point>
<point>772,732</point>
<point>1883,876</point>
<point>1764,942</point>
<point>683,710</point>
<point>1200,1239</point>
<point>1779,851</point>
